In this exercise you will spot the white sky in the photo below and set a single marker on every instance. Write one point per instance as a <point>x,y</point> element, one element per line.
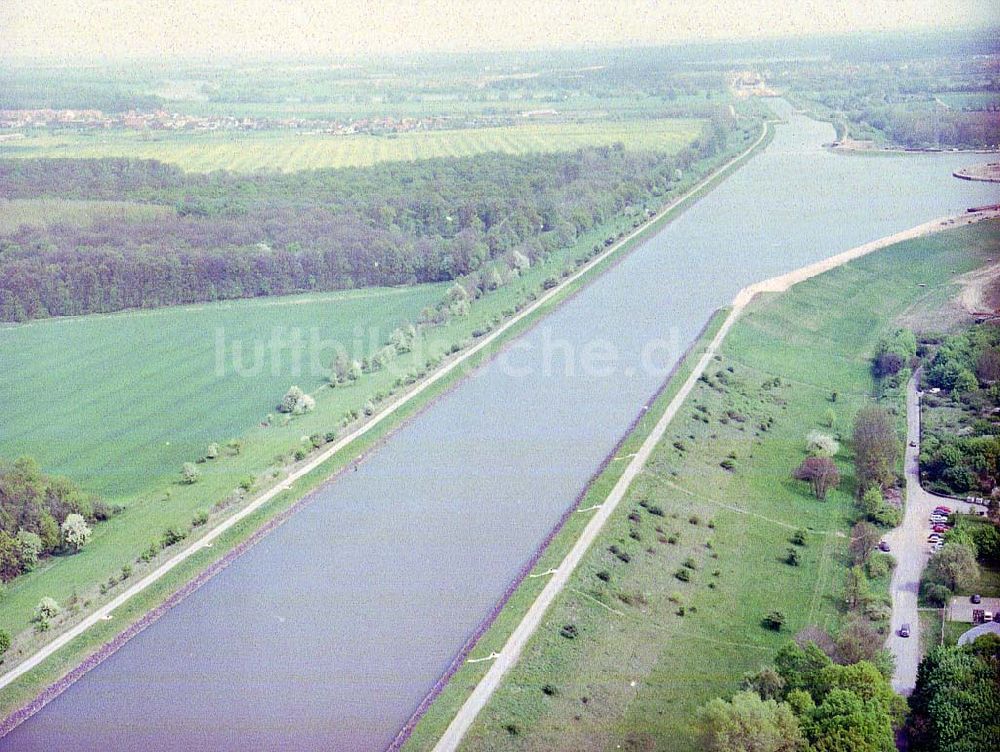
<point>74,29</point>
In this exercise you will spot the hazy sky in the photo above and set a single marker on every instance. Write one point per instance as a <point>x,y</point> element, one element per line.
<point>73,29</point>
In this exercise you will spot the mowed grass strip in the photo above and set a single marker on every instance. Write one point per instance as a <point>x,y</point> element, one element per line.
<point>288,151</point>
<point>650,646</point>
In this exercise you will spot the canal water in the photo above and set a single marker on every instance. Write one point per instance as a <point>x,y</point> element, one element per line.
<point>328,633</point>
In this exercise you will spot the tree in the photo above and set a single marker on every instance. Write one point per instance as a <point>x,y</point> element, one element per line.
<point>864,539</point>
<point>75,531</point>
<point>4,642</point>
<point>876,448</point>
<point>820,472</point>
<point>856,589</point>
<point>340,368</point>
<point>749,724</point>
<point>956,702</point>
<point>954,566</point>
<point>31,547</point>
<point>190,473</point>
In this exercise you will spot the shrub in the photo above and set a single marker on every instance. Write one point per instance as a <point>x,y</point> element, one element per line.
<point>126,571</point>
<point>604,576</point>
<point>792,557</point>
<point>199,519</point>
<point>821,445</point>
<point>684,575</point>
<point>75,531</point>
<point>330,437</point>
<point>774,621</point>
<point>4,642</point>
<point>799,537</point>
<point>880,565</point>
<point>190,473</point>
<point>247,482</point>
<point>300,454</point>
<point>213,451</point>
<point>569,631</point>
<point>171,536</point>
<point>694,519</point>
<point>46,609</point>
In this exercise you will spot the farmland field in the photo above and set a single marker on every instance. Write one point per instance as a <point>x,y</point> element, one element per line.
<point>650,648</point>
<point>288,151</point>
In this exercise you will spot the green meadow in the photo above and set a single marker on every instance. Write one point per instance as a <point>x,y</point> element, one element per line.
<point>651,647</point>
<point>289,151</point>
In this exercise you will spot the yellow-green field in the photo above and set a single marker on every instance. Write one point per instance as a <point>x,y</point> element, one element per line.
<point>43,212</point>
<point>288,151</point>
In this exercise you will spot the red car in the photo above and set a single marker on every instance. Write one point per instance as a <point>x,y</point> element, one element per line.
<point>943,510</point>
<point>941,528</point>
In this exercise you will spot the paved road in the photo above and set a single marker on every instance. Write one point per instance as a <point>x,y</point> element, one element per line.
<point>909,546</point>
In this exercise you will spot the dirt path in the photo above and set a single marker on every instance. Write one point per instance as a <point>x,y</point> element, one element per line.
<point>515,644</point>
<point>105,612</point>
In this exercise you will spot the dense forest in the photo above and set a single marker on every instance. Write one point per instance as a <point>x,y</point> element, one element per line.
<point>228,235</point>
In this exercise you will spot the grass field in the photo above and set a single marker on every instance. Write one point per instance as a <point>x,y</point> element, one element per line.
<point>288,151</point>
<point>638,669</point>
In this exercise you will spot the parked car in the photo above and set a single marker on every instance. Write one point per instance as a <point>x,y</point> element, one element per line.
<point>904,631</point>
<point>940,528</point>
<point>977,598</point>
<point>884,546</point>
<point>987,616</point>
<point>943,510</point>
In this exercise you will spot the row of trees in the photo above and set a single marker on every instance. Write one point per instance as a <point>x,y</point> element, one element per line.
<point>40,515</point>
<point>227,235</point>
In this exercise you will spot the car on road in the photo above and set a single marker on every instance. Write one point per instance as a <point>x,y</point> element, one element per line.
<point>904,631</point>
<point>884,546</point>
<point>977,598</point>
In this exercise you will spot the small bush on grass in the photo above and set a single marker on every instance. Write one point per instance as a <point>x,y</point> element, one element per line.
<point>774,621</point>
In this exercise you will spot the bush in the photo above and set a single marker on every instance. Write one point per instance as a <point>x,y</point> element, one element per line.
<point>46,609</point>
<point>300,454</point>
<point>880,565</point>
<point>684,575</point>
<point>171,536</point>
<point>792,557</point>
<point>774,621</point>
<point>247,483</point>
<point>190,473</point>
<point>799,537</point>
<point>821,445</point>
<point>604,576</point>
<point>213,451</point>
<point>199,519</point>
<point>126,571</point>
<point>4,642</point>
<point>331,436</point>
<point>569,631</point>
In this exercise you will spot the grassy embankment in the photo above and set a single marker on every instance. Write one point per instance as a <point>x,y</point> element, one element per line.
<point>131,532</point>
<point>652,648</point>
<point>289,151</point>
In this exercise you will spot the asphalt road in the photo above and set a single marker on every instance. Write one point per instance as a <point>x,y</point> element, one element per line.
<point>912,551</point>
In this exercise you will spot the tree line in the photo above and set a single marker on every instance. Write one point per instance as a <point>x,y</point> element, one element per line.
<point>229,235</point>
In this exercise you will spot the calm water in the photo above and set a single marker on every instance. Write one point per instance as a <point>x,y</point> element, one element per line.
<point>328,633</point>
